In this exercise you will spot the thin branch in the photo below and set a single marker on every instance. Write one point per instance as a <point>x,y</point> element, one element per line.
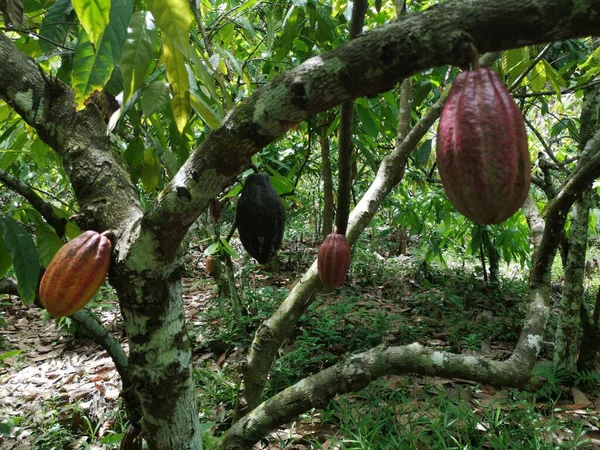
<point>530,67</point>
<point>42,206</point>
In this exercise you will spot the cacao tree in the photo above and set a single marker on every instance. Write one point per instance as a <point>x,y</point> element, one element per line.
<point>143,114</point>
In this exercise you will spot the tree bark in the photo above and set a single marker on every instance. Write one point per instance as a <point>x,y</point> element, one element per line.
<point>566,343</point>
<point>327,181</point>
<point>145,268</point>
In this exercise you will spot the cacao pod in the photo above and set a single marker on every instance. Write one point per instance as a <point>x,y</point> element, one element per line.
<point>210,262</point>
<point>333,260</point>
<point>482,150</point>
<point>260,218</point>
<point>75,273</point>
<point>215,209</point>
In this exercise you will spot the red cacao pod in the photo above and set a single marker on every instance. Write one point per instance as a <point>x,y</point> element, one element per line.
<point>260,218</point>
<point>210,263</point>
<point>75,273</point>
<point>215,209</point>
<point>482,150</point>
<point>333,260</point>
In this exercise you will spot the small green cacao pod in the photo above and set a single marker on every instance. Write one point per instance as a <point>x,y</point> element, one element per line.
<point>482,153</point>
<point>260,218</point>
<point>333,260</point>
<point>75,273</point>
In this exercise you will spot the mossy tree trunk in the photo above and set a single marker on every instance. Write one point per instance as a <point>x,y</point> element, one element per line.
<point>146,255</point>
<point>567,340</point>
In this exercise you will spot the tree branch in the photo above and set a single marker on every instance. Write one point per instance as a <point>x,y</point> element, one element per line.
<point>43,207</point>
<point>368,65</point>
<point>356,372</point>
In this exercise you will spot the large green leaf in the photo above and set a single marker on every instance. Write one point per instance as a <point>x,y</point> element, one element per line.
<point>155,96</point>
<point>212,118</point>
<point>91,70</point>
<point>150,169</point>
<point>47,240</point>
<point>138,52</point>
<point>116,31</point>
<point>25,257</point>
<point>56,24</point>
<point>288,35</point>
<point>5,258</point>
<point>94,16</point>
<point>178,78</point>
<point>174,18</point>
<point>537,77</point>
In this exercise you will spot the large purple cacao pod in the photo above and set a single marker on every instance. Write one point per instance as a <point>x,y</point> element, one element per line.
<point>260,218</point>
<point>333,260</point>
<point>482,150</point>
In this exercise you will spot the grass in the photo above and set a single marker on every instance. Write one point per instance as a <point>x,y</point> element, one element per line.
<point>450,308</point>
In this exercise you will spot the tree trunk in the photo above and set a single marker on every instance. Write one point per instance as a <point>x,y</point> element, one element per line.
<point>492,255</point>
<point>327,182</point>
<point>566,343</point>
<point>160,358</point>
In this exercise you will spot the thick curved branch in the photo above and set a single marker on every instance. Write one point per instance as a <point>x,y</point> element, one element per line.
<point>356,372</point>
<point>42,206</point>
<point>368,65</point>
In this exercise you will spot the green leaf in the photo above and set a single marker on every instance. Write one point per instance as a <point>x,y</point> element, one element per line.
<point>288,35</point>
<point>423,153</point>
<point>116,31</point>
<point>4,427</point>
<point>134,154</point>
<point>55,24</point>
<point>149,173</point>
<point>369,125</point>
<point>228,248</point>
<point>10,354</point>
<point>138,52</point>
<point>91,71</point>
<point>24,255</point>
<point>514,62</point>
<point>48,241</point>
<point>555,78</point>
<point>5,258</point>
<point>174,18</point>
<point>94,16</point>
<point>212,118</point>
<point>156,95</point>
<point>211,249</point>
<point>178,78</point>
<point>12,12</point>
<point>537,77</point>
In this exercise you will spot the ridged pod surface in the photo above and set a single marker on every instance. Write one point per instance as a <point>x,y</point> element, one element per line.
<point>260,218</point>
<point>333,260</point>
<point>75,274</point>
<point>482,150</point>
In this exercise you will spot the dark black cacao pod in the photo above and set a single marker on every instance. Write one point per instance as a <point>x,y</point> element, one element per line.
<point>260,218</point>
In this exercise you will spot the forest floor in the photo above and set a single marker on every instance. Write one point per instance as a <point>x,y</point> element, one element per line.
<point>61,391</point>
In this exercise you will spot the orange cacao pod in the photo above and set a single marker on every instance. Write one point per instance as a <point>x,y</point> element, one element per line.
<point>333,260</point>
<point>75,273</point>
<point>481,149</point>
<point>210,263</point>
<point>215,209</point>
